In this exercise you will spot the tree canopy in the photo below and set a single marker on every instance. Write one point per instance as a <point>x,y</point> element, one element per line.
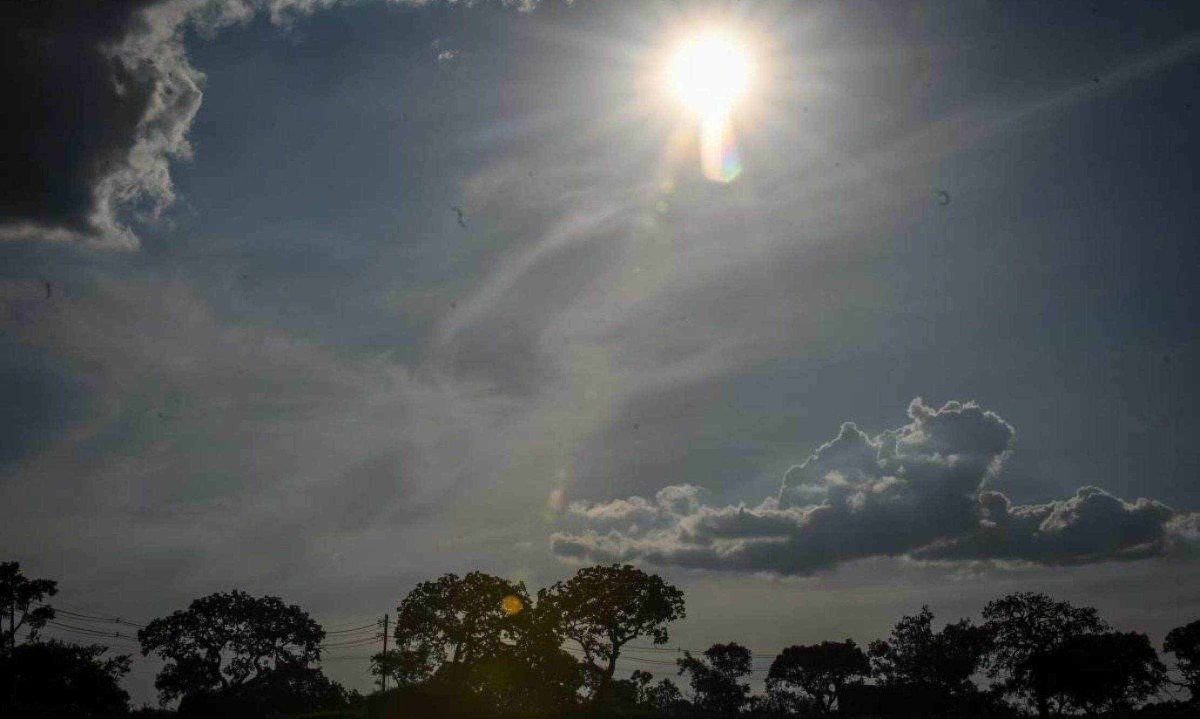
<point>1111,671</point>
<point>717,677</point>
<point>943,661</point>
<point>227,640</point>
<point>18,595</point>
<point>56,679</point>
<point>818,672</point>
<point>478,647</point>
<point>603,608</point>
<point>1184,643</point>
<point>1026,627</point>
<point>449,623</point>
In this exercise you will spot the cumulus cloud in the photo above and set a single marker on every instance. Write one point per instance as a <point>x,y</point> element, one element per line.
<point>920,490</point>
<point>101,97</point>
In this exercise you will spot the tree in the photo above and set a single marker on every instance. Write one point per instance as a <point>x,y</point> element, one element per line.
<point>603,608</point>
<point>941,662</point>
<point>1184,643</point>
<point>1109,672</point>
<point>52,679</point>
<point>445,625</point>
<point>532,675</point>
<point>405,667</point>
<point>17,597</point>
<point>228,641</point>
<point>716,679</point>
<point>663,698</point>
<point>818,672</point>
<point>1026,627</point>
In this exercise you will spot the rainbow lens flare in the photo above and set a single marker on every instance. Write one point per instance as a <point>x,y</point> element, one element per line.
<point>719,158</point>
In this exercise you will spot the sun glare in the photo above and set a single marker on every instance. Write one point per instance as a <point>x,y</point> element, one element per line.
<point>710,73</point>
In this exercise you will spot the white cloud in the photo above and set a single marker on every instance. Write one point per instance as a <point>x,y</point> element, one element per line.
<point>919,490</point>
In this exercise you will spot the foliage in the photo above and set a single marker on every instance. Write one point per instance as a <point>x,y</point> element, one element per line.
<point>663,698</point>
<point>1111,672</point>
<point>227,640</point>
<point>603,608</point>
<point>17,597</point>
<point>943,661</point>
<point>48,679</point>
<point>477,647</point>
<point>281,692</point>
<point>1184,643</point>
<point>716,678</point>
<point>404,667</point>
<point>449,623</point>
<point>1026,627</point>
<point>480,634</point>
<point>818,673</point>
<point>533,676</point>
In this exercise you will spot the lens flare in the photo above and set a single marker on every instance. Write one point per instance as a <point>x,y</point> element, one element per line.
<point>511,605</point>
<point>710,73</point>
<point>719,158</point>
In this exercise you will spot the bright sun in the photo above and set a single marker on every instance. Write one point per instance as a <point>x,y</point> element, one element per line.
<point>709,73</point>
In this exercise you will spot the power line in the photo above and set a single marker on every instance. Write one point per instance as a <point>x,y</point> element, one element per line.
<point>360,643</point>
<point>90,618</point>
<point>343,625</point>
<point>87,631</point>
<point>91,613</point>
<point>354,630</point>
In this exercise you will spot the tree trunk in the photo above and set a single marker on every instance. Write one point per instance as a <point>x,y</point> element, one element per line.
<point>612,666</point>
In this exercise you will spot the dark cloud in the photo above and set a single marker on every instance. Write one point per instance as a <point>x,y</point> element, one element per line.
<point>101,96</point>
<point>919,490</point>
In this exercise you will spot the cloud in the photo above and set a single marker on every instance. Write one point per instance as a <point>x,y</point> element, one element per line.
<point>919,491</point>
<point>102,97</point>
<point>213,450</point>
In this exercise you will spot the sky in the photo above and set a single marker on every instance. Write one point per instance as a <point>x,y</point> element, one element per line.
<point>322,299</point>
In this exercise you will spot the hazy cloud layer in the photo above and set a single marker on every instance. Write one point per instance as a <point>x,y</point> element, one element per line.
<point>102,97</point>
<point>214,450</point>
<point>919,490</point>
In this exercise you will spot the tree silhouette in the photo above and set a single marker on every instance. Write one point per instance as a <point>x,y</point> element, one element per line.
<point>1108,672</point>
<point>17,597</point>
<point>716,678</point>
<point>1027,627</point>
<point>942,662</point>
<point>819,672</point>
<point>229,640</point>
<point>405,667</point>
<point>53,679</point>
<point>663,698</point>
<point>445,625</point>
<point>603,608</point>
<point>1184,643</point>
<point>529,675</point>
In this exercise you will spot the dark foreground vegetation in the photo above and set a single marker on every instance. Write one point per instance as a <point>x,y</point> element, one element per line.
<point>481,647</point>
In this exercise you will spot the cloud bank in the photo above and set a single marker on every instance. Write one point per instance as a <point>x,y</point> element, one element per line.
<point>918,491</point>
<point>102,95</point>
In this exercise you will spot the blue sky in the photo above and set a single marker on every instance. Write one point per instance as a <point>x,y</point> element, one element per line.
<point>305,377</point>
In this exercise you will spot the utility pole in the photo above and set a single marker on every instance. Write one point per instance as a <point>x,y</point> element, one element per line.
<point>383,674</point>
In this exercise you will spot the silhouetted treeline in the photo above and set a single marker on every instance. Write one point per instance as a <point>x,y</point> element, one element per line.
<point>482,647</point>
